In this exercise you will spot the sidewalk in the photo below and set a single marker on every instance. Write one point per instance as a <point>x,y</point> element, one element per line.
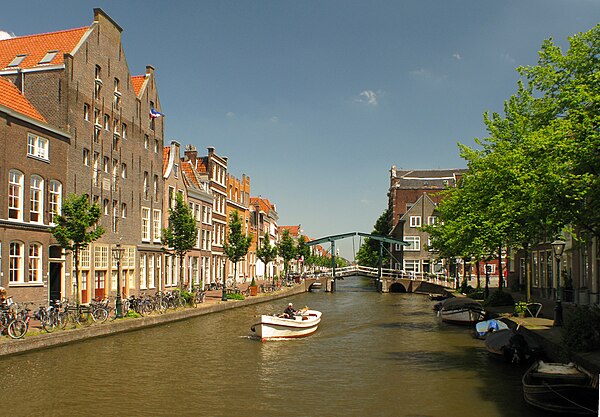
<point>36,338</point>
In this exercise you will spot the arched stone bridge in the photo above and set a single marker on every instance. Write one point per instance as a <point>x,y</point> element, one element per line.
<point>392,280</point>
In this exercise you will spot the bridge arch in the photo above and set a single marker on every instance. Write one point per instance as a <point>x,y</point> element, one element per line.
<point>397,287</point>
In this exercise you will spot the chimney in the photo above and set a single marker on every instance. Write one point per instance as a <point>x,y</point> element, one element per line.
<point>191,154</point>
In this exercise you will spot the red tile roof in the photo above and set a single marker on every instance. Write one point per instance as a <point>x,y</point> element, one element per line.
<point>11,97</point>
<point>293,230</point>
<point>37,46</point>
<point>138,82</point>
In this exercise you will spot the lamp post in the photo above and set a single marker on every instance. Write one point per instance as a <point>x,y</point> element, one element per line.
<point>224,293</point>
<point>558,246</point>
<point>118,255</point>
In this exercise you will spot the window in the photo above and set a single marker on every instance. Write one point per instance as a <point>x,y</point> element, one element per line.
<point>150,271</point>
<point>143,261</point>
<point>86,157</point>
<point>415,221</point>
<point>100,257</point>
<point>155,188</point>
<point>86,112</point>
<point>96,169</point>
<point>414,243</point>
<point>171,197</point>
<point>107,122</point>
<point>145,224</point>
<point>15,195</point>
<point>124,131</point>
<point>431,220</point>
<point>176,170</point>
<point>37,146</point>
<point>36,194</point>
<point>124,210</point>
<point>146,139</point>
<point>146,185</point>
<point>97,82</point>
<point>115,174</point>
<point>115,210</point>
<point>117,96</point>
<point>17,61</point>
<point>123,170</point>
<point>35,263</point>
<point>48,57</point>
<point>15,262</point>
<point>155,145</point>
<point>106,164</point>
<point>412,265</point>
<point>156,225</point>
<point>105,206</point>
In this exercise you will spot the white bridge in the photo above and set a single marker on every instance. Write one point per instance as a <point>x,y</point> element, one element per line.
<point>396,280</point>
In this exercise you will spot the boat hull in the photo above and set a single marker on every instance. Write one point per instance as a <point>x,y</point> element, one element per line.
<point>567,389</point>
<point>465,316</point>
<point>274,327</point>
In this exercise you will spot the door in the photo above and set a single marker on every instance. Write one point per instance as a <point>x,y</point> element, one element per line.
<point>55,290</point>
<point>99,285</point>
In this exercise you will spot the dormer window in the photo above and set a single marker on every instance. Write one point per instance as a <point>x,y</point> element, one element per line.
<point>48,57</point>
<point>17,61</point>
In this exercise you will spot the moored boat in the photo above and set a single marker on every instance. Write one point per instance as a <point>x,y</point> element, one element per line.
<point>512,346</point>
<point>461,310</point>
<point>483,328</point>
<point>303,324</point>
<point>561,388</point>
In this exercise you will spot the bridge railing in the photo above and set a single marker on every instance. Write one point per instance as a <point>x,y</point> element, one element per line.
<point>438,279</point>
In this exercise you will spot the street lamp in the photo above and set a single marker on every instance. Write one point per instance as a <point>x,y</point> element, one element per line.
<point>558,246</point>
<point>117,254</point>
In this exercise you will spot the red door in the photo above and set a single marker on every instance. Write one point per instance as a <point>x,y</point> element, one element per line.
<point>99,284</point>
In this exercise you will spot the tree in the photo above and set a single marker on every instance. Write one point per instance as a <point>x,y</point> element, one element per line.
<point>302,250</point>
<point>180,237</point>
<point>286,249</point>
<point>236,246</point>
<point>266,252</point>
<point>72,230</point>
<point>368,253</point>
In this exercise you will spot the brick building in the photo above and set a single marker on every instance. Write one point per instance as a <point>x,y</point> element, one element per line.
<point>80,82</point>
<point>33,161</point>
<point>238,199</point>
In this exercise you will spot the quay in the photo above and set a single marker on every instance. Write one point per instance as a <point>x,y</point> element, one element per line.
<point>37,339</point>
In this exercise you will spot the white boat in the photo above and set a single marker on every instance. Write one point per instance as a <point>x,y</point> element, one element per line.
<point>303,324</point>
<point>461,310</point>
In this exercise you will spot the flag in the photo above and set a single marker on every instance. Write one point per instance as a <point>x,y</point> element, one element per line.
<point>154,114</point>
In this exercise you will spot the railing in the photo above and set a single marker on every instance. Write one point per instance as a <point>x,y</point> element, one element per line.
<point>388,273</point>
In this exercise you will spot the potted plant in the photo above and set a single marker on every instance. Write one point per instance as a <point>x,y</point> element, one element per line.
<point>520,308</point>
<point>253,287</point>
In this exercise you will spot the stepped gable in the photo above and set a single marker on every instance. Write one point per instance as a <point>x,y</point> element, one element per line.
<point>11,97</point>
<point>35,48</point>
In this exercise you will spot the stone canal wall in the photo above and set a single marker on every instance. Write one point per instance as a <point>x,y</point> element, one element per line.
<point>40,340</point>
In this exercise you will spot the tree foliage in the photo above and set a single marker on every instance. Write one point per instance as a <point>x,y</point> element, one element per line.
<point>76,227</point>
<point>266,252</point>
<point>237,244</point>
<point>286,248</point>
<point>180,237</point>
<point>368,253</point>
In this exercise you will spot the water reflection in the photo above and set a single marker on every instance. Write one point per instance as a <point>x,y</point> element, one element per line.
<point>373,355</point>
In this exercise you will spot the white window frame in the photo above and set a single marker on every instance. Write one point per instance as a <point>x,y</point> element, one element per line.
<point>156,224</point>
<point>35,263</point>
<point>414,243</point>
<point>15,194</point>
<point>36,199</point>
<point>16,263</point>
<point>415,221</point>
<point>38,147</point>
<point>145,224</point>
<point>415,265</point>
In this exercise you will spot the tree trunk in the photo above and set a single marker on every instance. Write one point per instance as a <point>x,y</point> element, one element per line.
<point>478,275</point>
<point>76,256</point>
<point>181,258</point>
<point>500,274</point>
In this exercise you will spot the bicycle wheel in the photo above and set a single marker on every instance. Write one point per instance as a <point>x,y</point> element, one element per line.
<point>62,319</point>
<point>48,324</point>
<point>100,315</point>
<point>17,328</point>
<point>84,318</point>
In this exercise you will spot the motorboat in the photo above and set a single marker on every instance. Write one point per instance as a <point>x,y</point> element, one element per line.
<point>277,326</point>
<point>561,388</point>
<point>483,328</point>
<point>512,346</point>
<point>461,310</point>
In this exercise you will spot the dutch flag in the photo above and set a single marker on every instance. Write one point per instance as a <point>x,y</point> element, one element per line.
<point>154,114</point>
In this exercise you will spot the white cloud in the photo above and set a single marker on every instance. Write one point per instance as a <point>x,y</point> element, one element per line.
<point>457,56</point>
<point>427,75</point>
<point>230,114</point>
<point>369,96</point>
<point>6,35</point>
<point>274,119</point>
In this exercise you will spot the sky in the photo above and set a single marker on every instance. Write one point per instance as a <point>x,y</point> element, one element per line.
<point>316,100</point>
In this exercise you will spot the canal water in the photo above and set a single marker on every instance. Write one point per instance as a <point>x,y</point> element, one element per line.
<point>373,355</point>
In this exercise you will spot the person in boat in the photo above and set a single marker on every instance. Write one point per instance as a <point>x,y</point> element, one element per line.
<point>289,312</point>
